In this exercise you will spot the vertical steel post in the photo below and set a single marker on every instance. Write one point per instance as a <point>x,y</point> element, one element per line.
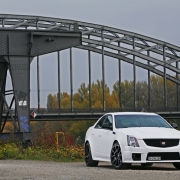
<point>3,75</point>
<point>89,64</point>
<point>59,83</point>
<point>134,74</point>
<point>38,86</point>
<point>38,81</point>
<point>71,80</point>
<point>103,77</point>
<point>3,22</point>
<point>149,83</point>
<point>119,68</point>
<point>177,86</point>
<point>165,85</point>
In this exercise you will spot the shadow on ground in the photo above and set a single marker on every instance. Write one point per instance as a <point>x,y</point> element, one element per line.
<point>155,166</point>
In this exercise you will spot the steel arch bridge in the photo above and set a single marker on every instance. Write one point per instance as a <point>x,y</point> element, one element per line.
<point>154,55</point>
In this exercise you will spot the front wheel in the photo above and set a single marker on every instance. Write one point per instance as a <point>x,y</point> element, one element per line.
<point>177,165</point>
<point>116,157</point>
<point>88,156</point>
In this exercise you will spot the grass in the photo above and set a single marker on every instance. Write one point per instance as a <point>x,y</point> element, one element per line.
<point>14,150</point>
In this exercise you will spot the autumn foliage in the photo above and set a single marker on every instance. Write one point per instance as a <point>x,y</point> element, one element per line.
<point>112,98</point>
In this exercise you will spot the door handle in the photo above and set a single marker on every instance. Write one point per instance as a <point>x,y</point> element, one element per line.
<point>92,134</point>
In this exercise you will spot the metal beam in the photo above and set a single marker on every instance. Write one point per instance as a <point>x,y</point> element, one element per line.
<point>18,25</point>
<point>177,86</point>
<point>136,43</point>
<point>170,61</point>
<point>71,79</point>
<point>3,75</point>
<point>116,39</point>
<point>128,60</point>
<point>165,85</point>
<point>45,23</point>
<point>59,81</point>
<point>132,52</point>
<point>111,41</point>
<point>146,49</point>
<point>134,74</point>
<point>86,32</point>
<point>103,75</point>
<point>5,120</point>
<point>38,84</point>
<point>89,65</point>
<point>149,83</point>
<point>35,42</point>
<point>54,27</point>
<point>119,70</point>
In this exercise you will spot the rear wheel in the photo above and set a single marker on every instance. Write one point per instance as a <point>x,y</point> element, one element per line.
<point>146,164</point>
<point>177,165</point>
<point>88,156</point>
<point>116,158</point>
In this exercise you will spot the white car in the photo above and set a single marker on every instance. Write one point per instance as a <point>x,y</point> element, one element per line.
<point>124,138</point>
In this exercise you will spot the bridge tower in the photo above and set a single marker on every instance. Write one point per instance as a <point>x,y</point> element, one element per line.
<point>18,47</point>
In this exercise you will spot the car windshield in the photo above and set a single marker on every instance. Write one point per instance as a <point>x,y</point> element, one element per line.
<point>125,121</point>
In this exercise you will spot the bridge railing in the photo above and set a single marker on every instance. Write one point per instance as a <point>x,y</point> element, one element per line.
<point>42,111</point>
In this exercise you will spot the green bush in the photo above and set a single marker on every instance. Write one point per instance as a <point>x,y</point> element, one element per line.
<point>12,150</point>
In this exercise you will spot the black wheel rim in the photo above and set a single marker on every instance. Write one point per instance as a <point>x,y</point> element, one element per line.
<point>116,156</point>
<point>87,153</point>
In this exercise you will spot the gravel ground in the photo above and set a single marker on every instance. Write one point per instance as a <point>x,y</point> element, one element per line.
<point>28,170</point>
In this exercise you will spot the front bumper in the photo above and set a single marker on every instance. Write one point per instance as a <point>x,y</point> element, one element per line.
<point>149,154</point>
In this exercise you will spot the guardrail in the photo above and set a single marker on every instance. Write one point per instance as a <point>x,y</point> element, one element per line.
<point>45,114</point>
<point>126,109</point>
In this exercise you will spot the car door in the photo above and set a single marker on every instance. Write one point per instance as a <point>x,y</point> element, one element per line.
<point>95,136</point>
<point>106,138</point>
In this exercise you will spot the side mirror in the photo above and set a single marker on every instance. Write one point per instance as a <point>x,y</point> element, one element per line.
<point>174,125</point>
<point>106,126</point>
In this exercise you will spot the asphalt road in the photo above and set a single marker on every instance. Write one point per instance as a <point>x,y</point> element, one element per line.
<point>32,170</point>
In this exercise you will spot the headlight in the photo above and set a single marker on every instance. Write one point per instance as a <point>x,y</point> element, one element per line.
<point>132,141</point>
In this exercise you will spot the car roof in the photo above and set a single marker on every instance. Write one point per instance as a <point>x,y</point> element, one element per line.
<point>131,113</point>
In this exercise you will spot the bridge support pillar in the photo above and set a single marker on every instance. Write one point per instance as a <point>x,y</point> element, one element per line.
<point>19,68</point>
<point>20,75</point>
<point>3,72</point>
<point>17,49</point>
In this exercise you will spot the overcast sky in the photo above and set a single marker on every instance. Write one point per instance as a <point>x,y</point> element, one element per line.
<point>155,18</point>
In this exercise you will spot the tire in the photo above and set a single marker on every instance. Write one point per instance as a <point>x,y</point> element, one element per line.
<point>88,156</point>
<point>116,158</point>
<point>146,164</point>
<point>177,165</point>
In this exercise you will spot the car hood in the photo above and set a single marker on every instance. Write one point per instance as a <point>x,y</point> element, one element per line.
<point>151,132</point>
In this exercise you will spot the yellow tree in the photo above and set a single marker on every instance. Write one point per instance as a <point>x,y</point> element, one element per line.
<point>65,100</point>
<point>157,91</point>
<point>126,93</point>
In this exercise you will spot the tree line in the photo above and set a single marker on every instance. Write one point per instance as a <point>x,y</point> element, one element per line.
<point>112,97</point>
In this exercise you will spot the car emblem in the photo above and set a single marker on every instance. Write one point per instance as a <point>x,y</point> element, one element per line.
<point>163,143</point>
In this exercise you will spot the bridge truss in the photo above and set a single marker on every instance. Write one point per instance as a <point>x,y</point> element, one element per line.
<point>154,55</point>
<point>123,45</point>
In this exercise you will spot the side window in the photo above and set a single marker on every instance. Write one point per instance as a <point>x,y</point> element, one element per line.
<point>99,124</point>
<point>109,122</point>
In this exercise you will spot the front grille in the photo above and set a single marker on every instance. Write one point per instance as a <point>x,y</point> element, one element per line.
<point>162,143</point>
<point>164,155</point>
